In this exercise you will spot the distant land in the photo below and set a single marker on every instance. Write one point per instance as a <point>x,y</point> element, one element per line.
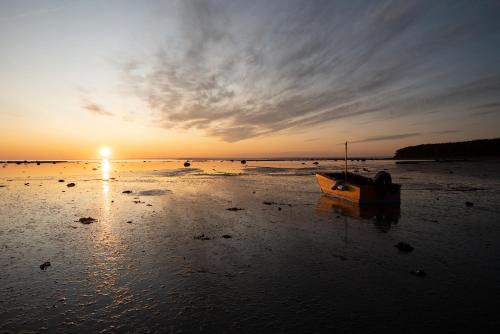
<point>459,150</point>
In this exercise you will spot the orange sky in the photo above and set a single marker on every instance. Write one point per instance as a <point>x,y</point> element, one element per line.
<point>209,79</point>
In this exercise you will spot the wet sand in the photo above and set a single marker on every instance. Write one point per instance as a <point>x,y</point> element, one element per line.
<point>170,257</point>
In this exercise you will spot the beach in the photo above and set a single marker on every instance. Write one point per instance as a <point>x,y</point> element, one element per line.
<point>222,246</point>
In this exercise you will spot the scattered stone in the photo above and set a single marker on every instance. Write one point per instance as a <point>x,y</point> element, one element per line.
<point>138,202</point>
<point>404,247</point>
<point>129,222</point>
<point>27,184</point>
<point>61,181</point>
<point>149,205</point>
<point>202,237</point>
<point>44,265</point>
<point>69,185</point>
<point>243,162</point>
<point>275,203</point>
<point>227,236</point>
<point>234,209</point>
<point>187,164</point>
<point>87,220</point>
<point>279,209</point>
<point>127,192</point>
<point>315,163</point>
<point>418,273</point>
<point>469,204</point>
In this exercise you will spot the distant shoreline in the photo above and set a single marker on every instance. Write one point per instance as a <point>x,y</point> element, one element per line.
<point>457,151</point>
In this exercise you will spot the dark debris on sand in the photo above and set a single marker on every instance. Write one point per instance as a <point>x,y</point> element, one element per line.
<point>469,204</point>
<point>276,203</point>
<point>234,209</point>
<point>418,273</point>
<point>127,192</point>
<point>87,220</point>
<point>69,185</point>
<point>202,237</point>
<point>61,181</point>
<point>227,236</point>
<point>44,265</point>
<point>187,164</point>
<point>404,247</point>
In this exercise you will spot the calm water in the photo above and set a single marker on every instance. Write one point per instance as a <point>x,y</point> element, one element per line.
<point>156,259</point>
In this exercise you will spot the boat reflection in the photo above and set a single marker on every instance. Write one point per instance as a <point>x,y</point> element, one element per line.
<point>383,216</point>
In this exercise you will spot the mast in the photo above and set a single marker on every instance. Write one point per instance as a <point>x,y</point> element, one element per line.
<point>345,162</point>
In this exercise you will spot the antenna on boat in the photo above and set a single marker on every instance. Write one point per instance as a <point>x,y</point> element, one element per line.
<point>345,161</point>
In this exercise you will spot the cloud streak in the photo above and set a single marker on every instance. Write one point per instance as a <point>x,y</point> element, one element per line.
<point>239,70</point>
<point>96,109</point>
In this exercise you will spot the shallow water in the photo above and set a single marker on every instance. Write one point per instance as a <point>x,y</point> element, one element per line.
<point>295,260</point>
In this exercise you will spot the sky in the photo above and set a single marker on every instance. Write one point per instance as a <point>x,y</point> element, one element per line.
<point>176,79</point>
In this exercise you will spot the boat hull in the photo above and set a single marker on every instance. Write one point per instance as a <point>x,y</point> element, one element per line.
<point>362,194</point>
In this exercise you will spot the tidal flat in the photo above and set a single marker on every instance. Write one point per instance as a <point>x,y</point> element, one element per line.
<point>223,247</point>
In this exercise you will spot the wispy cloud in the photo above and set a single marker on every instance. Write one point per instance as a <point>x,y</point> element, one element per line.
<point>96,109</point>
<point>32,13</point>
<point>243,69</point>
<point>391,137</point>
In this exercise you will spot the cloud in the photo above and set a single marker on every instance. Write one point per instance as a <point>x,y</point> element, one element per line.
<point>96,109</point>
<point>32,13</point>
<point>444,132</point>
<point>243,69</point>
<point>390,137</point>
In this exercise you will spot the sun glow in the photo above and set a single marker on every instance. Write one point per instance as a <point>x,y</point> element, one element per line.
<point>105,152</point>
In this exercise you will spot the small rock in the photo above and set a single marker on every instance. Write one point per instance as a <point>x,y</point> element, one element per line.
<point>227,236</point>
<point>279,209</point>
<point>129,222</point>
<point>44,265</point>
<point>149,205</point>
<point>418,273</point>
<point>187,164</point>
<point>27,184</point>
<point>315,163</point>
<point>404,247</point>
<point>61,180</point>
<point>87,220</point>
<point>243,162</point>
<point>127,192</point>
<point>469,204</point>
<point>234,209</point>
<point>70,185</point>
<point>201,237</point>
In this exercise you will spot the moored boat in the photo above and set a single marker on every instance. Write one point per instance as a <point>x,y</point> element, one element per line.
<point>358,188</point>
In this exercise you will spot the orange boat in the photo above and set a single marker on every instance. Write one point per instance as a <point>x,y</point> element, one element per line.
<point>360,189</point>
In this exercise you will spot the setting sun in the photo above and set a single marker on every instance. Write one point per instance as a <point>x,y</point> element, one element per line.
<point>105,152</point>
